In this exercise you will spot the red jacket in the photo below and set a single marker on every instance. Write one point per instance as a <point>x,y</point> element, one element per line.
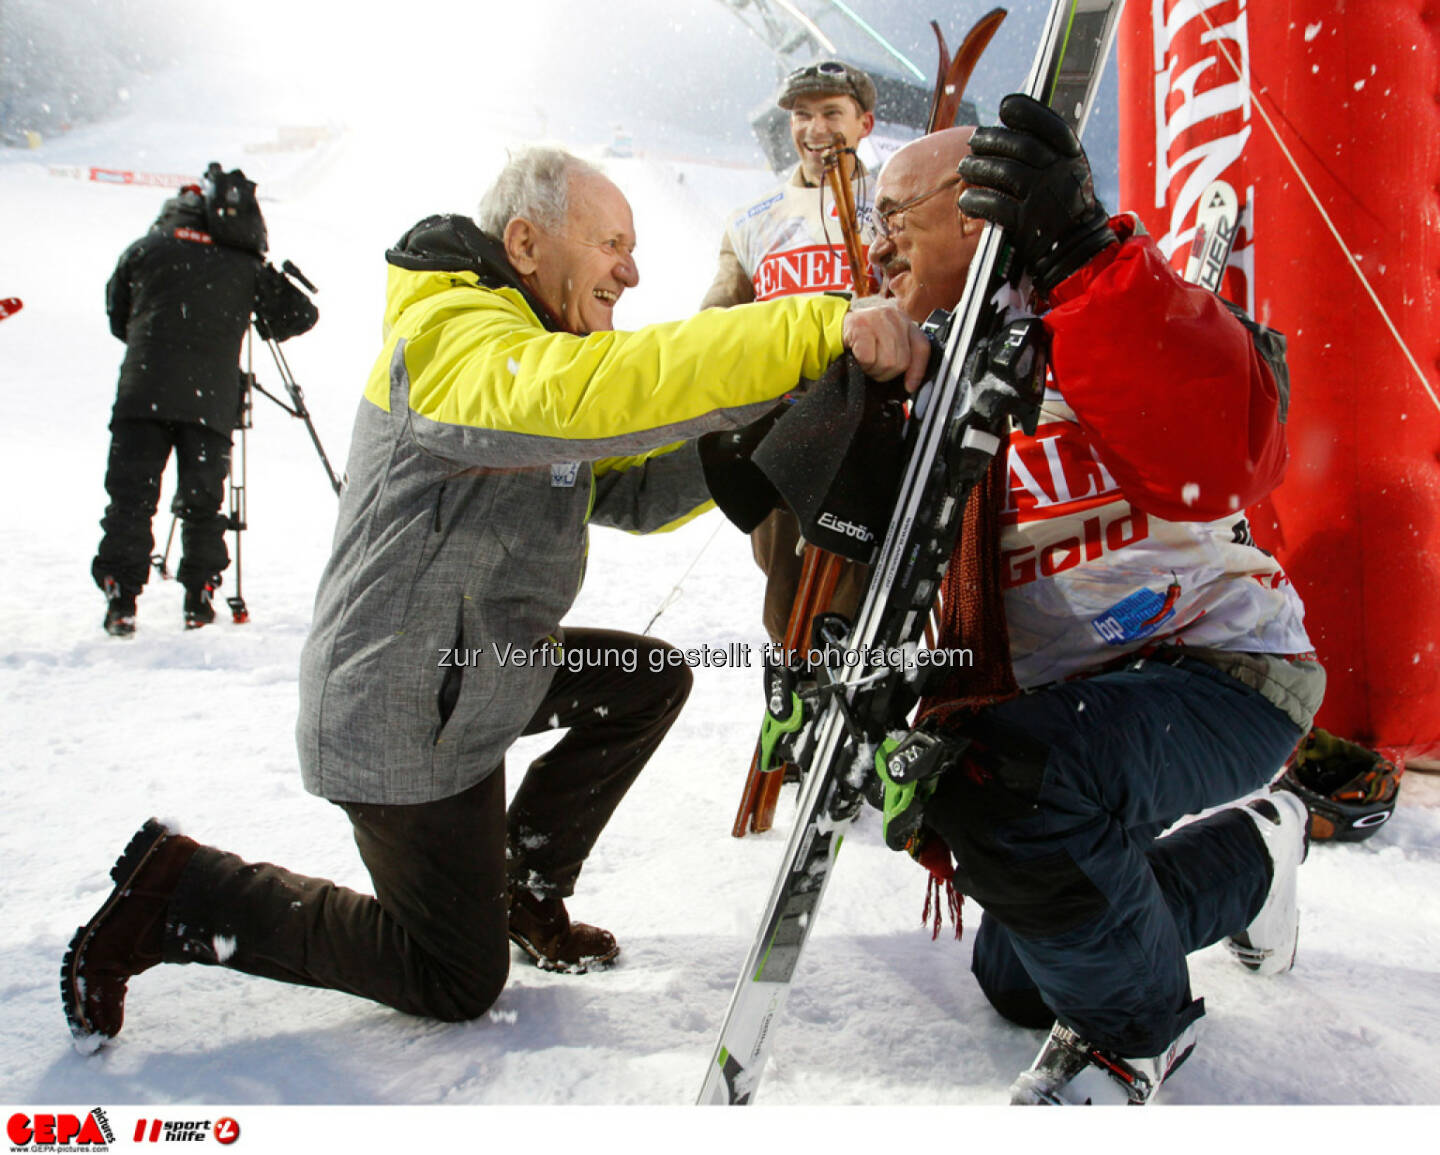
<point>1167,385</point>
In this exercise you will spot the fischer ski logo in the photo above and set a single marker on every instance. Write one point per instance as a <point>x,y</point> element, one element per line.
<point>846,528</point>
<point>1202,117</point>
<point>1216,222</point>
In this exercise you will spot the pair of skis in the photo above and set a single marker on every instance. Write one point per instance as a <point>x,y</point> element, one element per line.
<point>820,572</point>
<point>991,372</point>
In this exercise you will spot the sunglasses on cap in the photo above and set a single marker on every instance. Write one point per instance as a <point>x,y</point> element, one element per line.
<point>831,70</point>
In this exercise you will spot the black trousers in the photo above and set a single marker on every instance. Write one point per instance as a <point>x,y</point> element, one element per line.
<point>138,452</point>
<point>433,941</point>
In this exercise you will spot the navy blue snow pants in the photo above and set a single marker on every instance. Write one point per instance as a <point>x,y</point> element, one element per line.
<point>1055,819</point>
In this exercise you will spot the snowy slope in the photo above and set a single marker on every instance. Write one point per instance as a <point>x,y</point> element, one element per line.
<point>100,733</point>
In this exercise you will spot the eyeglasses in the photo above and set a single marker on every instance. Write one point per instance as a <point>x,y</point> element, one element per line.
<point>891,222</point>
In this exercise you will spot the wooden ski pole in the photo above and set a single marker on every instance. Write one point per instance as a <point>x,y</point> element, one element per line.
<point>953,74</point>
<point>820,572</point>
<point>825,569</point>
<point>759,785</point>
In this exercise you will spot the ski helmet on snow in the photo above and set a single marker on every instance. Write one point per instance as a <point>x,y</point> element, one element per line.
<point>1349,791</point>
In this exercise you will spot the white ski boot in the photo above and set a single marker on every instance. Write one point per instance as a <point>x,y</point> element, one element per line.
<point>1267,945</point>
<point>1069,1072</point>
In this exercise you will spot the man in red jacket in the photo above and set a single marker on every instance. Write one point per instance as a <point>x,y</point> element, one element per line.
<point>1162,656</point>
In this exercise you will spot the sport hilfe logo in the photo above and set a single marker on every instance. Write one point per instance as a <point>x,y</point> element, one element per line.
<point>224,1130</point>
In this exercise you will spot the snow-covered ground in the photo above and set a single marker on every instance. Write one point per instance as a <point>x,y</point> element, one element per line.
<point>100,733</point>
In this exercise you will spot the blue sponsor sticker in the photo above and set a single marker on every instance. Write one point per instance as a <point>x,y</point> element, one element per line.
<point>563,474</point>
<point>763,205</point>
<point>1137,616</point>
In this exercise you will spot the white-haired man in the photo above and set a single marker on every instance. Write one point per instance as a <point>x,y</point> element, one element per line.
<point>502,416</point>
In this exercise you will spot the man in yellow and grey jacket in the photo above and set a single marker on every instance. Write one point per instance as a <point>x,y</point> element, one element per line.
<point>502,416</point>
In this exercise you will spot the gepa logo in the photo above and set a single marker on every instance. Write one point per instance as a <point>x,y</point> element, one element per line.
<point>60,1132</point>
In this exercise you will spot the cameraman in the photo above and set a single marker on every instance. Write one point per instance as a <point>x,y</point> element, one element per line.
<point>181,299</point>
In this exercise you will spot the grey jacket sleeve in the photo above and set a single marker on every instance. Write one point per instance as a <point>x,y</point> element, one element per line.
<point>650,494</point>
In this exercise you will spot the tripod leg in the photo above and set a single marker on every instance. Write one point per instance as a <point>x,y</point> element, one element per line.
<point>297,399</point>
<point>239,613</point>
<point>161,561</point>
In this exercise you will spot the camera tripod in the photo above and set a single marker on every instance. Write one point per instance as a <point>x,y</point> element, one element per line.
<point>236,517</point>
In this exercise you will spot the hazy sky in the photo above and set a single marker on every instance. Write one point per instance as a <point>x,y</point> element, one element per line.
<point>683,75</point>
<point>692,63</point>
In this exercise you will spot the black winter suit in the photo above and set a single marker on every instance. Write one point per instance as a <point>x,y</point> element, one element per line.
<point>181,303</point>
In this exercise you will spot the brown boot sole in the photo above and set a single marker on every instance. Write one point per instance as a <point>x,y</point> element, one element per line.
<point>142,845</point>
<point>579,967</point>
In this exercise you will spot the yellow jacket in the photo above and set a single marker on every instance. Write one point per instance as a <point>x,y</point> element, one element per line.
<point>485,444</point>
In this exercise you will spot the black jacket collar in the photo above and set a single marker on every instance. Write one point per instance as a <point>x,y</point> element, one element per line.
<point>449,241</point>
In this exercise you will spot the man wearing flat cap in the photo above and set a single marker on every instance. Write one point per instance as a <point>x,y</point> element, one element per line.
<point>789,241</point>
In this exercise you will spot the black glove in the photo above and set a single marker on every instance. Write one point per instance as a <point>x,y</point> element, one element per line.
<point>1032,179</point>
<point>741,491</point>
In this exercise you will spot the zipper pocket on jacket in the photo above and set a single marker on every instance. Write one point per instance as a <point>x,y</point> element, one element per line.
<point>439,499</point>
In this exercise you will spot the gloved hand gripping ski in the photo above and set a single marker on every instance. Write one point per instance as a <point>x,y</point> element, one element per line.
<point>1032,179</point>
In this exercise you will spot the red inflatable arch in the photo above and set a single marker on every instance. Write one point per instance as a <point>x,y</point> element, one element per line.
<point>1343,97</point>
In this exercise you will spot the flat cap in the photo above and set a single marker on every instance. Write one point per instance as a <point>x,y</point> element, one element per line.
<point>828,78</point>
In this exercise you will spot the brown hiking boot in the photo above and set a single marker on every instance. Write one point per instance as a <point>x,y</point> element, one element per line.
<point>541,927</point>
<point>124,937</point>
